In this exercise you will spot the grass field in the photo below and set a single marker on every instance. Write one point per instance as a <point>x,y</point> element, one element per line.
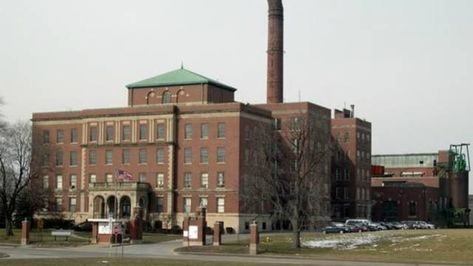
<point>44,238</point>
<point>118,262</point>
<point>443,245</point>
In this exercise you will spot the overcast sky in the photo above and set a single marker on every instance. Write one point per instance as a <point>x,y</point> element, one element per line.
<point>406,64</point>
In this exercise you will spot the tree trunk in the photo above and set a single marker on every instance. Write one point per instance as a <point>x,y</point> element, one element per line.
<point>8,225</point>
<point>296,235</point>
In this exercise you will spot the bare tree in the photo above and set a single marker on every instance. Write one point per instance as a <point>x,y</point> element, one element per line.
<point>16,167</point>
<point>291,173</point>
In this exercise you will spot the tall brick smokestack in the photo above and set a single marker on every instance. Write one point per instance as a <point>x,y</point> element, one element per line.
<point>275,52</point>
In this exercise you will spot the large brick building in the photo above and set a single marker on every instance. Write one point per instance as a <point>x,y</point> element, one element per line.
<point>187,143</point>
<point>182,137</point>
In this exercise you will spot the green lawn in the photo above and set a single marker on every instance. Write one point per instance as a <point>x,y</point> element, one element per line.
<point>44,238</point>
<point>118,261</point>
<point>445,245</point>
<point>157,237</point>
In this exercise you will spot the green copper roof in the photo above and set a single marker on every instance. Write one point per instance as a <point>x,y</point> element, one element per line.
<point>175,78</point>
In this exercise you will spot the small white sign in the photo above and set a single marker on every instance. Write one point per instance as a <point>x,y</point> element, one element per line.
<point>193,232</point>
<point>185,233</point>
<point>105,228</point>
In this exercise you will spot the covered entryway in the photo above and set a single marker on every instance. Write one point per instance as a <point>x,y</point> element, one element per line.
<point>125,207</point>
<point>99,207</point>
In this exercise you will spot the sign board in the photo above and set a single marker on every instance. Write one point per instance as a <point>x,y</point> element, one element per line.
<point>117,229</point>
<point>193,232</point>
<point>105,228</point>
<point>185,233</point>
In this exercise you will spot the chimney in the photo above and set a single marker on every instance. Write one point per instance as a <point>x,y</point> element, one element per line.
<point>275,52</point>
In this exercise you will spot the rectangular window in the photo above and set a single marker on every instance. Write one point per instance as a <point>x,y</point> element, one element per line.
<point>143,131</point>
<point>338,192</point>
<point>73,181</point>
<point>60,136</point>
<point>73,158</point>
<point>45,136</point>
<point>160,155</point>
<point>412,208</point>
<point>92,178</point>
<point>277,124</point>
<point>125,156</point>
<point>59,182</point>
<point>126,133</point>
<point>204,131</point>
<point>160,133</point>
<point>187,180</point>
<point>187,155</point>
<point>160,180</point>
<point>220,179</point>
<point>45,182</point>
<point>220,154</point>
<point>109,133</point>
<point>204,180</point>
<point>142,177</point>
<point>59,158</point>
<point>93,134</point>
<point>108,157</point>
<point>45,159</point>
<point>58,204</point>
<point>159,204</point>
<point>221,130</point>
<point>109,178</point>
<point>187,205</point>
<point>188,131</point>
<point>220,205</point>
<point>142,157</point>
<point>204,202</point>
<point>92,157</point>
<point>204,155</point>
<point>72,204</point>
<point>295,123</point>
<point>74,135</point>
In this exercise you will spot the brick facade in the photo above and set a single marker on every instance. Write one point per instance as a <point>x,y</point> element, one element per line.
<point>181,154</point>
<point>351,164</point>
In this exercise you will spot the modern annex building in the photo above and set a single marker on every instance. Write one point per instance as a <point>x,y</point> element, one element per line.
<point>429,186</point>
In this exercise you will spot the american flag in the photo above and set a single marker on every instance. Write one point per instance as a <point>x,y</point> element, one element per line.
<point>124,175</point>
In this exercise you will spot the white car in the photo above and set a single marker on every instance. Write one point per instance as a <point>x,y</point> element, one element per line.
<point>425,225</point>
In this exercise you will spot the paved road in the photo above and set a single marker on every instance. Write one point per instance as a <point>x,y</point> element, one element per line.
<point>165,250</point>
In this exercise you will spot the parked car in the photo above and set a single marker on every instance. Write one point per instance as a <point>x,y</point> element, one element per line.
<point>359,225</point>
<point>376,227</point>
<point>84,226</point>
<point>388,225</point>
<point>399,225</point>
<point>425,225</point>
<point>410,224</point>
<point>332,229</point>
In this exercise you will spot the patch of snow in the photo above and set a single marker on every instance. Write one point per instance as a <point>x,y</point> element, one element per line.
<point>343,243</point>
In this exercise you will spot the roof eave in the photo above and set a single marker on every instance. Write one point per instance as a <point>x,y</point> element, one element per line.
<point>131,86</point>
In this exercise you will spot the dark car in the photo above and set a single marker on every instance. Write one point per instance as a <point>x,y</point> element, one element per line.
<point>334,229</point>
<point>84,226</point>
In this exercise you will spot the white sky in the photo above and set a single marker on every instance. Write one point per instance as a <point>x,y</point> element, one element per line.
<point>406,64</point>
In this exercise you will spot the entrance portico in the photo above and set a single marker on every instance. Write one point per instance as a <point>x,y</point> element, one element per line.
<point>118,199</point>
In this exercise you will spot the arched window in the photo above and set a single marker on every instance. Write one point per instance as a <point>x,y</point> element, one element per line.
<point>166,97</point>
